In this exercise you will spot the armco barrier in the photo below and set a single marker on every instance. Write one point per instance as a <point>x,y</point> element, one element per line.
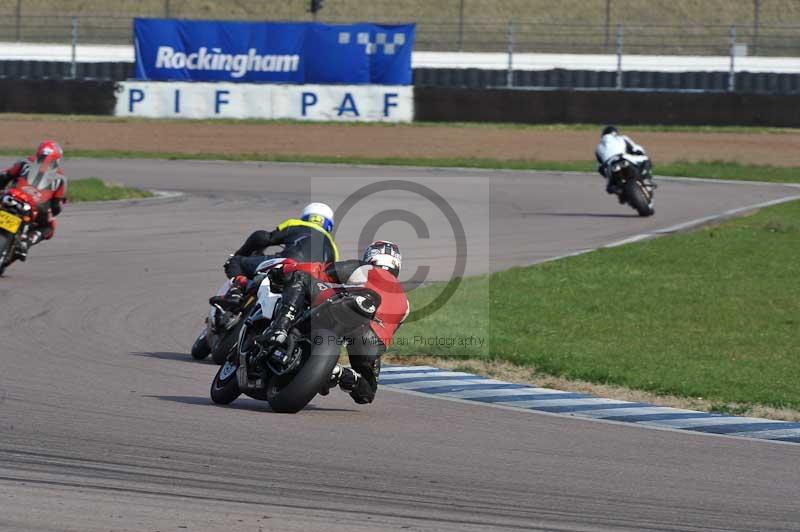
<point>619,107</point>
<point>344,103</point>
<point>57,97</point>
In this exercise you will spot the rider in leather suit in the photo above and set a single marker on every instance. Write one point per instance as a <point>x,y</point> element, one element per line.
<point>305,239</point>
<point>51,185</point>
<point>303,283</point>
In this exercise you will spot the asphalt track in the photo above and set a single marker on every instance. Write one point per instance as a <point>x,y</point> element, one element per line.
<point>105,422</point>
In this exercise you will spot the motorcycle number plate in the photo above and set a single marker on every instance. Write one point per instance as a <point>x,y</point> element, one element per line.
<point>9,222</point>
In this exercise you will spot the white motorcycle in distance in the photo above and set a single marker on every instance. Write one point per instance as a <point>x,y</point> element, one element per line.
<point>625,176</point>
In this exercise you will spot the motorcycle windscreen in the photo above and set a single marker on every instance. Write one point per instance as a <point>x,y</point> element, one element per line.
<point>43,175</point>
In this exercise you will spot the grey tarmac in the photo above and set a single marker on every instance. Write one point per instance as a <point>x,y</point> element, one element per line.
<point>105,421</point>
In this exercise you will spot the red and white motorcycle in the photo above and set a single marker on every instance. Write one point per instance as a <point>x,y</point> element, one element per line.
<point>20,210</point>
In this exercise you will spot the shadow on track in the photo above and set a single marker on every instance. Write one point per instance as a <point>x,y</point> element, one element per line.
<point>244,403</point>
<point>171,355</point>
<point>581,214</point>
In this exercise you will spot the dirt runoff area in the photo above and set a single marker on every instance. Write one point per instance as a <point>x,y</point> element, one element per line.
<point>383,141</point>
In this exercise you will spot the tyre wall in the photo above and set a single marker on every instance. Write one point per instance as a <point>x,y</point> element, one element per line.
<point>598,107</point>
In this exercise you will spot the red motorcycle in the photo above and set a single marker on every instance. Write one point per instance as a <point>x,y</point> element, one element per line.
<point>21,208</point>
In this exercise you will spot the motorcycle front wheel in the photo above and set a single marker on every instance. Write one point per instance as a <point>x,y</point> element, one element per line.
<point>200,348</point>
<point>290,394</point>
<point>224,387</point>
<point>6,243</point>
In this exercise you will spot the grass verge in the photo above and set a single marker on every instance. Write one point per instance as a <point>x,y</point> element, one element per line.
<point>95,189</point>
<point>633,128</point>
<point>712,315</point>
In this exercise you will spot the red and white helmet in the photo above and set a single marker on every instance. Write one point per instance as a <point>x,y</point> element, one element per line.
<point>384,254</point>
<point>49,149</point>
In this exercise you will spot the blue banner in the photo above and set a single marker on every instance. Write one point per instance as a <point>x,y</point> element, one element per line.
<point>273,52</point>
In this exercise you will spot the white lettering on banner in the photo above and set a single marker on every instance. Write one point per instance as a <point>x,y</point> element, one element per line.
<point>238,65</point>
<point>265,101</point>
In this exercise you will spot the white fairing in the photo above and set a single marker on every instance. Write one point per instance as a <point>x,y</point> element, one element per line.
<point>610,146</point>
<point>266,299</point>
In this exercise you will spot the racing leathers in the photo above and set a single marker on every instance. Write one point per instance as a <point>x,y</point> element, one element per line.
<point>614,146</point>
<point>301,241</point>
<point>51,197</point>
<point>310,282</point>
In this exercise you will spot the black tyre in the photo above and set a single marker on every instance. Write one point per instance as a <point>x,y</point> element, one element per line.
<point>225,345</point>
<point>638,199</point>
<point>200,348</point>
<point>288,395</point>
<point>5,251</point>
<point>224,387</point>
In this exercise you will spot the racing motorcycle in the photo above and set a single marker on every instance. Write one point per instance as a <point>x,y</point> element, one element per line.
<point>625,175</point>
<point>289,376</point>
<point>19,210</point>
<point>631,187</point>
<point>221,331</point>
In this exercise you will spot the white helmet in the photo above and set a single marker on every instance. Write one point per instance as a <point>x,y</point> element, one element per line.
<point>384,254</point>
<point>320,214</point>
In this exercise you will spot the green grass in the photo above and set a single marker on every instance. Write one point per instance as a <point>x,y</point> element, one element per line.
<point>712,314</point>
<point>95,189</point>
<point>631,128</point>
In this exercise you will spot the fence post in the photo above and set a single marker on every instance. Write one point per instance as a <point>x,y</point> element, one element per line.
<point>732,72</point>
<point>619,57</point>
<point>756,23</point>
<point>19,21</point>
<point>167,9</point>
<point>510,72</point>
<point>73,67</point>
<point>608,24</point>
<point>461,26</point>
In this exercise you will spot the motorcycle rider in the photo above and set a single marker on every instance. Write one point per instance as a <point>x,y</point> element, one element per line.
<point>305,239</point>
<point>377,270</point>
<point>51,184</point>
<point>612,145</point>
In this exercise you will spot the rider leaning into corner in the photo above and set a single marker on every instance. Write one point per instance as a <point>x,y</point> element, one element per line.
<point>303,283</point>
<point>307,239</point>
<point>51,184</point>
<point>612,145</point>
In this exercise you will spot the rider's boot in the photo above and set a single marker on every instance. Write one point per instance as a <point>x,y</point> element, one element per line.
<point>25,244</point>
<point>278,331</point>
<point>332,381</point>
<point>233,298</point>
<point>346,378</point>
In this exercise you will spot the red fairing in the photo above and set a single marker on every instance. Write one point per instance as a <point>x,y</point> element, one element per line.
<point>315,269</point>
<point>394,304</point>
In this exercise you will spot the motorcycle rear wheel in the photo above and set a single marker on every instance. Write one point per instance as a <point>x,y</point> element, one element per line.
<point>289,395</point>
<point>637,198</point>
